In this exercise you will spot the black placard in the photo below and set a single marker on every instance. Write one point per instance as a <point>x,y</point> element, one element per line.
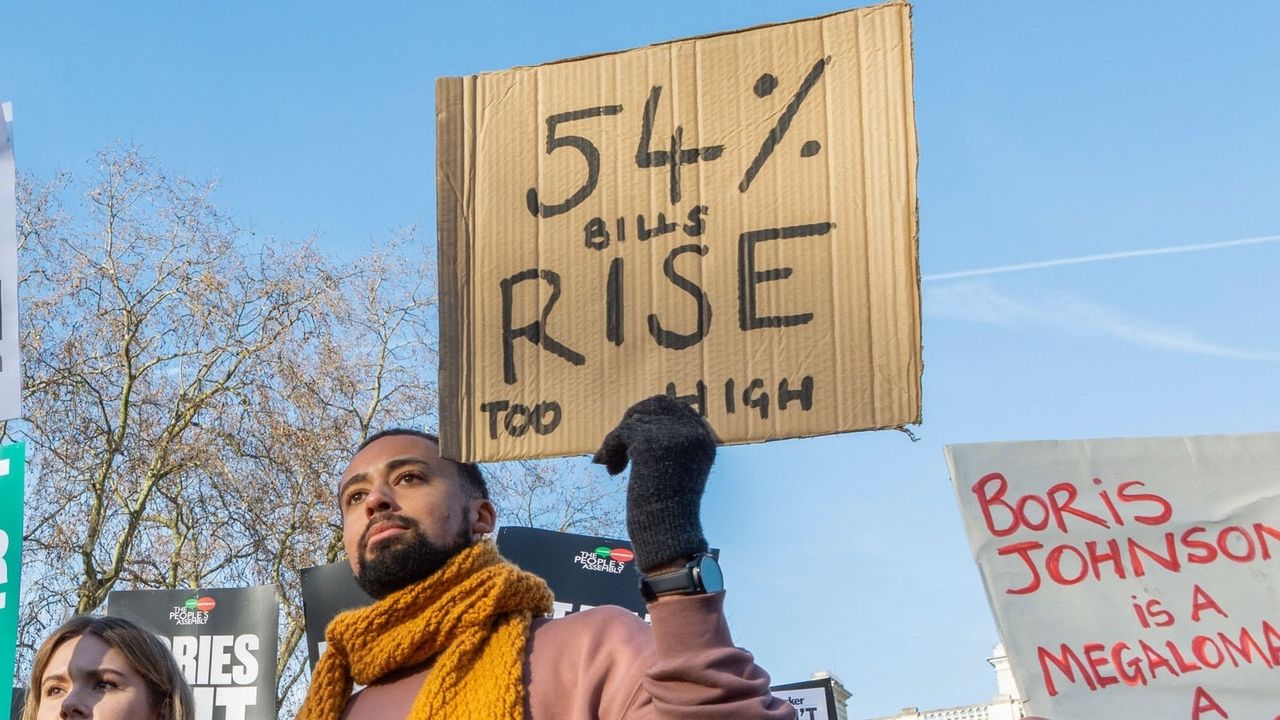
<point>224,640</point>
<point>18,702</point>
<point>583,571</point>
<point>326,591</point>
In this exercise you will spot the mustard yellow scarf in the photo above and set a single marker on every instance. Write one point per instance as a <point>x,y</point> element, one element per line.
<point>472,616</point>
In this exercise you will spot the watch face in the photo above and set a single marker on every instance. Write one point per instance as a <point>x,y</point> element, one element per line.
<point>709,575</point>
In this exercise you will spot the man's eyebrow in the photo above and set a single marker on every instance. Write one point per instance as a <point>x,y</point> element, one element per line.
<point>357,478</point>
<point>391,466</point>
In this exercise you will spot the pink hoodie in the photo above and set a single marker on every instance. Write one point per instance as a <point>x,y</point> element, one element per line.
<point>607,664</point>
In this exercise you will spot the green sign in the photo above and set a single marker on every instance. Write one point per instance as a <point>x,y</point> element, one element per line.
<point>11,504</point>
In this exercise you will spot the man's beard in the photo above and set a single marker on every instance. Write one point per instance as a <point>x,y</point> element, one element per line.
<point>404,560</point>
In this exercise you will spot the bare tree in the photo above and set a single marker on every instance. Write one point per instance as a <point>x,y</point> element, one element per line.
<point>370,366</point>
<point>140,321</point>
<point>190,400</point>
<point>556,495</point>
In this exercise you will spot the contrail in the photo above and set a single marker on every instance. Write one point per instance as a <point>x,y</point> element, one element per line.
<point>1101,258</point>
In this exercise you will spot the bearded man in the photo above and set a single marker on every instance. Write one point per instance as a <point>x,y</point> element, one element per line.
<point>458,632</point>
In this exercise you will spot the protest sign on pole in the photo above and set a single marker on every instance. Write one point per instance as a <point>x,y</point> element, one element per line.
<point>1132,577</point>
<point>10,370</point>
<point>224,640</point>
<point>728,219</point>
<point>12,459</point>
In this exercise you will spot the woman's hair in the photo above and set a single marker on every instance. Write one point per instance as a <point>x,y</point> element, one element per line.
<point>167,690</point>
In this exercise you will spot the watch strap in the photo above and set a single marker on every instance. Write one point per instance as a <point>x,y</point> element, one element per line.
<point>670,583</point>
<point>687,580</point>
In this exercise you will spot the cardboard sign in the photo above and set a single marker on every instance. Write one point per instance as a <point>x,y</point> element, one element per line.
<point>12,459</point>
<point>1132,577</point>
<point>812,699</point>
<point>10,372</point>
<point>729,219</point>
<point>224,640</point>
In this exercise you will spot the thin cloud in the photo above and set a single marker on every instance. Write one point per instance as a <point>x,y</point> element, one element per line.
<point>1102,257</point>
<point>979,302</point>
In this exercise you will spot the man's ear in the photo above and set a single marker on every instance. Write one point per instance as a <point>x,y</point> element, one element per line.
<point>484,518</point>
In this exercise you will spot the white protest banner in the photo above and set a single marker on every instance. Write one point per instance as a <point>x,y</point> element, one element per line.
<point>10,372</point>
<point>728,219</point>
<point>1132,578</point>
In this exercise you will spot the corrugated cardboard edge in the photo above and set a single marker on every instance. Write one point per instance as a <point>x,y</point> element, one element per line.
<point>453,241</point>
<point>915,216</point>
<point>735,31</point>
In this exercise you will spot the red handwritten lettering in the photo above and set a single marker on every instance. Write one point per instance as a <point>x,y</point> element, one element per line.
<point>1207,652</point>
<point>1208,551</point>
<point>1096,654</point>
<point>1067,564</point>
<point>1130,670</point>
<point>1204,702</point>
<point>987,501</point>
<point>1263,532</point>
<point>1064,505</point>
<point>1053,563</point>
<point>1169,560</point>
<point>1063,662</point>
<point>1201,601</point>
<point>1156,661</point>
<point>1244,648</point>
<point>1023,550</point>
<point>1112,556</point>
<point>1184,667</point>
<point>1224,544</point>
<point>1160,518</point>
<point>1062,499</point>
<point>1273,641</point>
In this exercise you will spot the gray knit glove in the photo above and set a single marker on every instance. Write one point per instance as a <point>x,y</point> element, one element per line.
<point>671,449</point>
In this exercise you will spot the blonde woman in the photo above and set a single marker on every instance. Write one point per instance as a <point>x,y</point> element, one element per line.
<point>106,668</point>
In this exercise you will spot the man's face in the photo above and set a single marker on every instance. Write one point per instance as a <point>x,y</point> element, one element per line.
<point>405,512</point>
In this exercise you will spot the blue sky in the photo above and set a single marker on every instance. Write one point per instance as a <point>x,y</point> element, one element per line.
<point>1047,131</point>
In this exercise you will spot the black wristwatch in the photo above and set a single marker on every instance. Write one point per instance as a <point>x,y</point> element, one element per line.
<point>699,576</point>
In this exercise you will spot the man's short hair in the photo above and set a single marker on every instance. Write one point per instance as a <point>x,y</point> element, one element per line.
<point>469,471</point>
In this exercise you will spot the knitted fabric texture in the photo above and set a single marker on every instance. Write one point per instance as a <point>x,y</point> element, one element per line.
<point>671,449</point>
<point>472,616</point>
